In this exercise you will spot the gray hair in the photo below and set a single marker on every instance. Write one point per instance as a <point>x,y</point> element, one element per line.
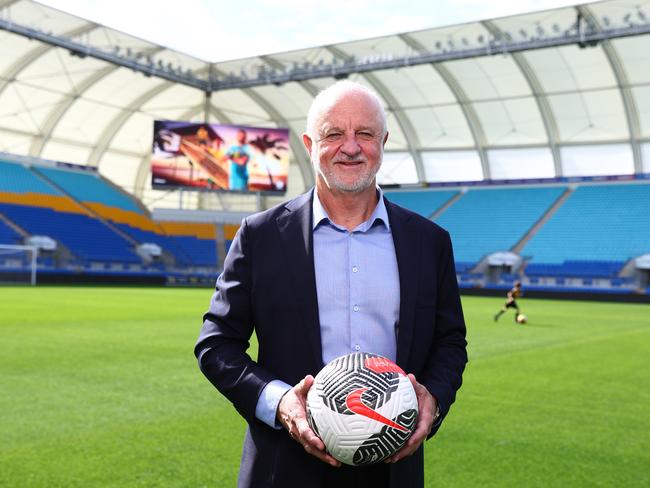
<point>332,93</point>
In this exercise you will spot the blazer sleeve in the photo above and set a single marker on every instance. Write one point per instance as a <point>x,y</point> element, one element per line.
<point>227,328</point>
<point>448,353</point>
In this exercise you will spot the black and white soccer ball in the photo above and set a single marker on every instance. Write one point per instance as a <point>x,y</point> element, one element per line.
<point>363,407</point>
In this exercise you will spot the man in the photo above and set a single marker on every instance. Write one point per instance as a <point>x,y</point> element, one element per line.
<point>333,271</point>
<point>511,301</point>
<point>239,156</point>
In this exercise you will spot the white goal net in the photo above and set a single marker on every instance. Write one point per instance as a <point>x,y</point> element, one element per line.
<point>18,264</point>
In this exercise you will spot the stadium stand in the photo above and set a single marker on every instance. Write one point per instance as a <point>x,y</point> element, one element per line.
<point>424,202</point>
<point>599,228</point>
<point>96,226</point>
<point>8,235</point>
<point>197,240</point>
<point>484,221</point>
<point>32,204</point>
<point>128,216</point>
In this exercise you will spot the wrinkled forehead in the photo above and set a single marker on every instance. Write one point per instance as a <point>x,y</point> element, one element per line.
<point>354,108</point>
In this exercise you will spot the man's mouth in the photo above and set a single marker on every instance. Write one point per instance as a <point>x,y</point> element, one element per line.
<point>349,163</point>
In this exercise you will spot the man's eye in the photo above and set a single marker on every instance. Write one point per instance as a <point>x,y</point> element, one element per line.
<point>333,136</point>
<point>366,135</point>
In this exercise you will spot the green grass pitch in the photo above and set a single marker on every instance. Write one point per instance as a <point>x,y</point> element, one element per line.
<point>99,388</point>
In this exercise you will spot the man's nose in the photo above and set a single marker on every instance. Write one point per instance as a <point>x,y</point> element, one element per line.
<point>350,145</point>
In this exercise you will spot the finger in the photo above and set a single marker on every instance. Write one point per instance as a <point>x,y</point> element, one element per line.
<point>405,451</point>
<point>307,436</point>
<point>305,384</point>
<point>323,456</point>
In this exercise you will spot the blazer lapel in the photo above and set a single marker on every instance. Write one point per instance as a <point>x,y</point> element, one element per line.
<point>295,230</point>
<point>407,249</point>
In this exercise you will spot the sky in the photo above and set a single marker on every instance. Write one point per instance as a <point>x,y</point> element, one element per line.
<point>218,30</point>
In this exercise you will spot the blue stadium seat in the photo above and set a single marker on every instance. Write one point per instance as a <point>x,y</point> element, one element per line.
<point>596,224</point>
<point>15,178</point>
<point>201,252</point>
<point>89,187</point>
<point>424,202</point>
<point>8,235</point>
<point>86,237</point>
<point>484,221</point>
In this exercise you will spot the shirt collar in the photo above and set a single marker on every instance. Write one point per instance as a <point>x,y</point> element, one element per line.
<point>378,214</point>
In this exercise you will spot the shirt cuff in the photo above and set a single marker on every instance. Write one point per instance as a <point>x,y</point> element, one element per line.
<point>267,403</point>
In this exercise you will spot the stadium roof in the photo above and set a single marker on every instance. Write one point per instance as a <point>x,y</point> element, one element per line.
<point>564,92</point>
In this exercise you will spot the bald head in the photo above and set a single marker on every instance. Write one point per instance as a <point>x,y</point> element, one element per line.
<point>332,94</point>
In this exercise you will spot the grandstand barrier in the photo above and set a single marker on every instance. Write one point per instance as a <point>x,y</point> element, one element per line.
<point>562,293</point>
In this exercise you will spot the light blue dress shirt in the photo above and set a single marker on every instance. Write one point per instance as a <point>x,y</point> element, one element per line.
<point>357,283</point>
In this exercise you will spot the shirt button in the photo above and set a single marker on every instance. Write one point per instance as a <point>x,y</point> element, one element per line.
<point>355,308</point>
<point>357,347</point>
<point>354,269</point>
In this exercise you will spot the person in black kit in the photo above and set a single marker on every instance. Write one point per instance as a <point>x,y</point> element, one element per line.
<point>511,301</point>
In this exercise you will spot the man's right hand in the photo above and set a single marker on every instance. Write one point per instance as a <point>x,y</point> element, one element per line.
<point>292,414</point>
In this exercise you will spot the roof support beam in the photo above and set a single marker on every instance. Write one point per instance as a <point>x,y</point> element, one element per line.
<point>109,132</point>
<point>548,119</point>
<point>60,110</point>
<point>301,73</point>
<point>474,123</point>
<point>33,55</point>
<point>623,84</point>
<point>57,113</point>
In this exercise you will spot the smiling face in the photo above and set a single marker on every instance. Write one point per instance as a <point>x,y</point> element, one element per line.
<point>347,142</point>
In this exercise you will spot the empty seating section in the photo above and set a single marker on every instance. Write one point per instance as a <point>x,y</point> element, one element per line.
<point>15,178</point>
<point>38,208</point>
<point>8,235</point>
<point>424,202</point>
<point>197,240</point>
<point>89,187</point>
<point>595,231</point>
<point>86,237</point>
<point>126,215</point>
<point>490,220</point>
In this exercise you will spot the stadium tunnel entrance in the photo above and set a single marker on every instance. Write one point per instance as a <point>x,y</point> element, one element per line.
<point>642,264</point>
<point>499,265</point>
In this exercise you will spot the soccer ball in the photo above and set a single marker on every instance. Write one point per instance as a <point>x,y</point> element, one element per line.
<point>521,318</point>
<point>363,407</point>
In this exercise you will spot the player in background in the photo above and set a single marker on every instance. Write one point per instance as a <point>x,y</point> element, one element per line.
<point>511,301</point>
<point>239,156</point>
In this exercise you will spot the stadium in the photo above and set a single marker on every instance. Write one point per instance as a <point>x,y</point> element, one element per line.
<point>527,137</point>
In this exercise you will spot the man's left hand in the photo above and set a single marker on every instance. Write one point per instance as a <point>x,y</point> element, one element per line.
<point>427,407</point>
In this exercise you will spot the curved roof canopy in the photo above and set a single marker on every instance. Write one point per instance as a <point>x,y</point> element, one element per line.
<point>564,92</point>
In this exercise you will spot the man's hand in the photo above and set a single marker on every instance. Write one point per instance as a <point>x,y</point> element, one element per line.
<point>427,407</point>
<point>292,414</point>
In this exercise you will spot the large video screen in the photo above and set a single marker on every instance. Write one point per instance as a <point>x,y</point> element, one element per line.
<point>219,157</point>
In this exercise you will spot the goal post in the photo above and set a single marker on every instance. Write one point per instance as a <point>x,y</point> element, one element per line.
<point>18,264</point>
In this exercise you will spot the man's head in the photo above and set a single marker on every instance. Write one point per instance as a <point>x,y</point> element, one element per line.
<point>346,133</point>
<point>517,284</point>
<point>241,136</point>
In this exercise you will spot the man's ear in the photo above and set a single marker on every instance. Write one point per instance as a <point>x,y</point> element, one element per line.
<point>306,140</point>
<point>385,139</point>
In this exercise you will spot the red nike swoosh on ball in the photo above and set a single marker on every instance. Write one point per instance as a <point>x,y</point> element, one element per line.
<point>354,403</point>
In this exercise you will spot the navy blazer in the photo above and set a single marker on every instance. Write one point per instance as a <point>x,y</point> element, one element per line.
<point>268,286</point>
